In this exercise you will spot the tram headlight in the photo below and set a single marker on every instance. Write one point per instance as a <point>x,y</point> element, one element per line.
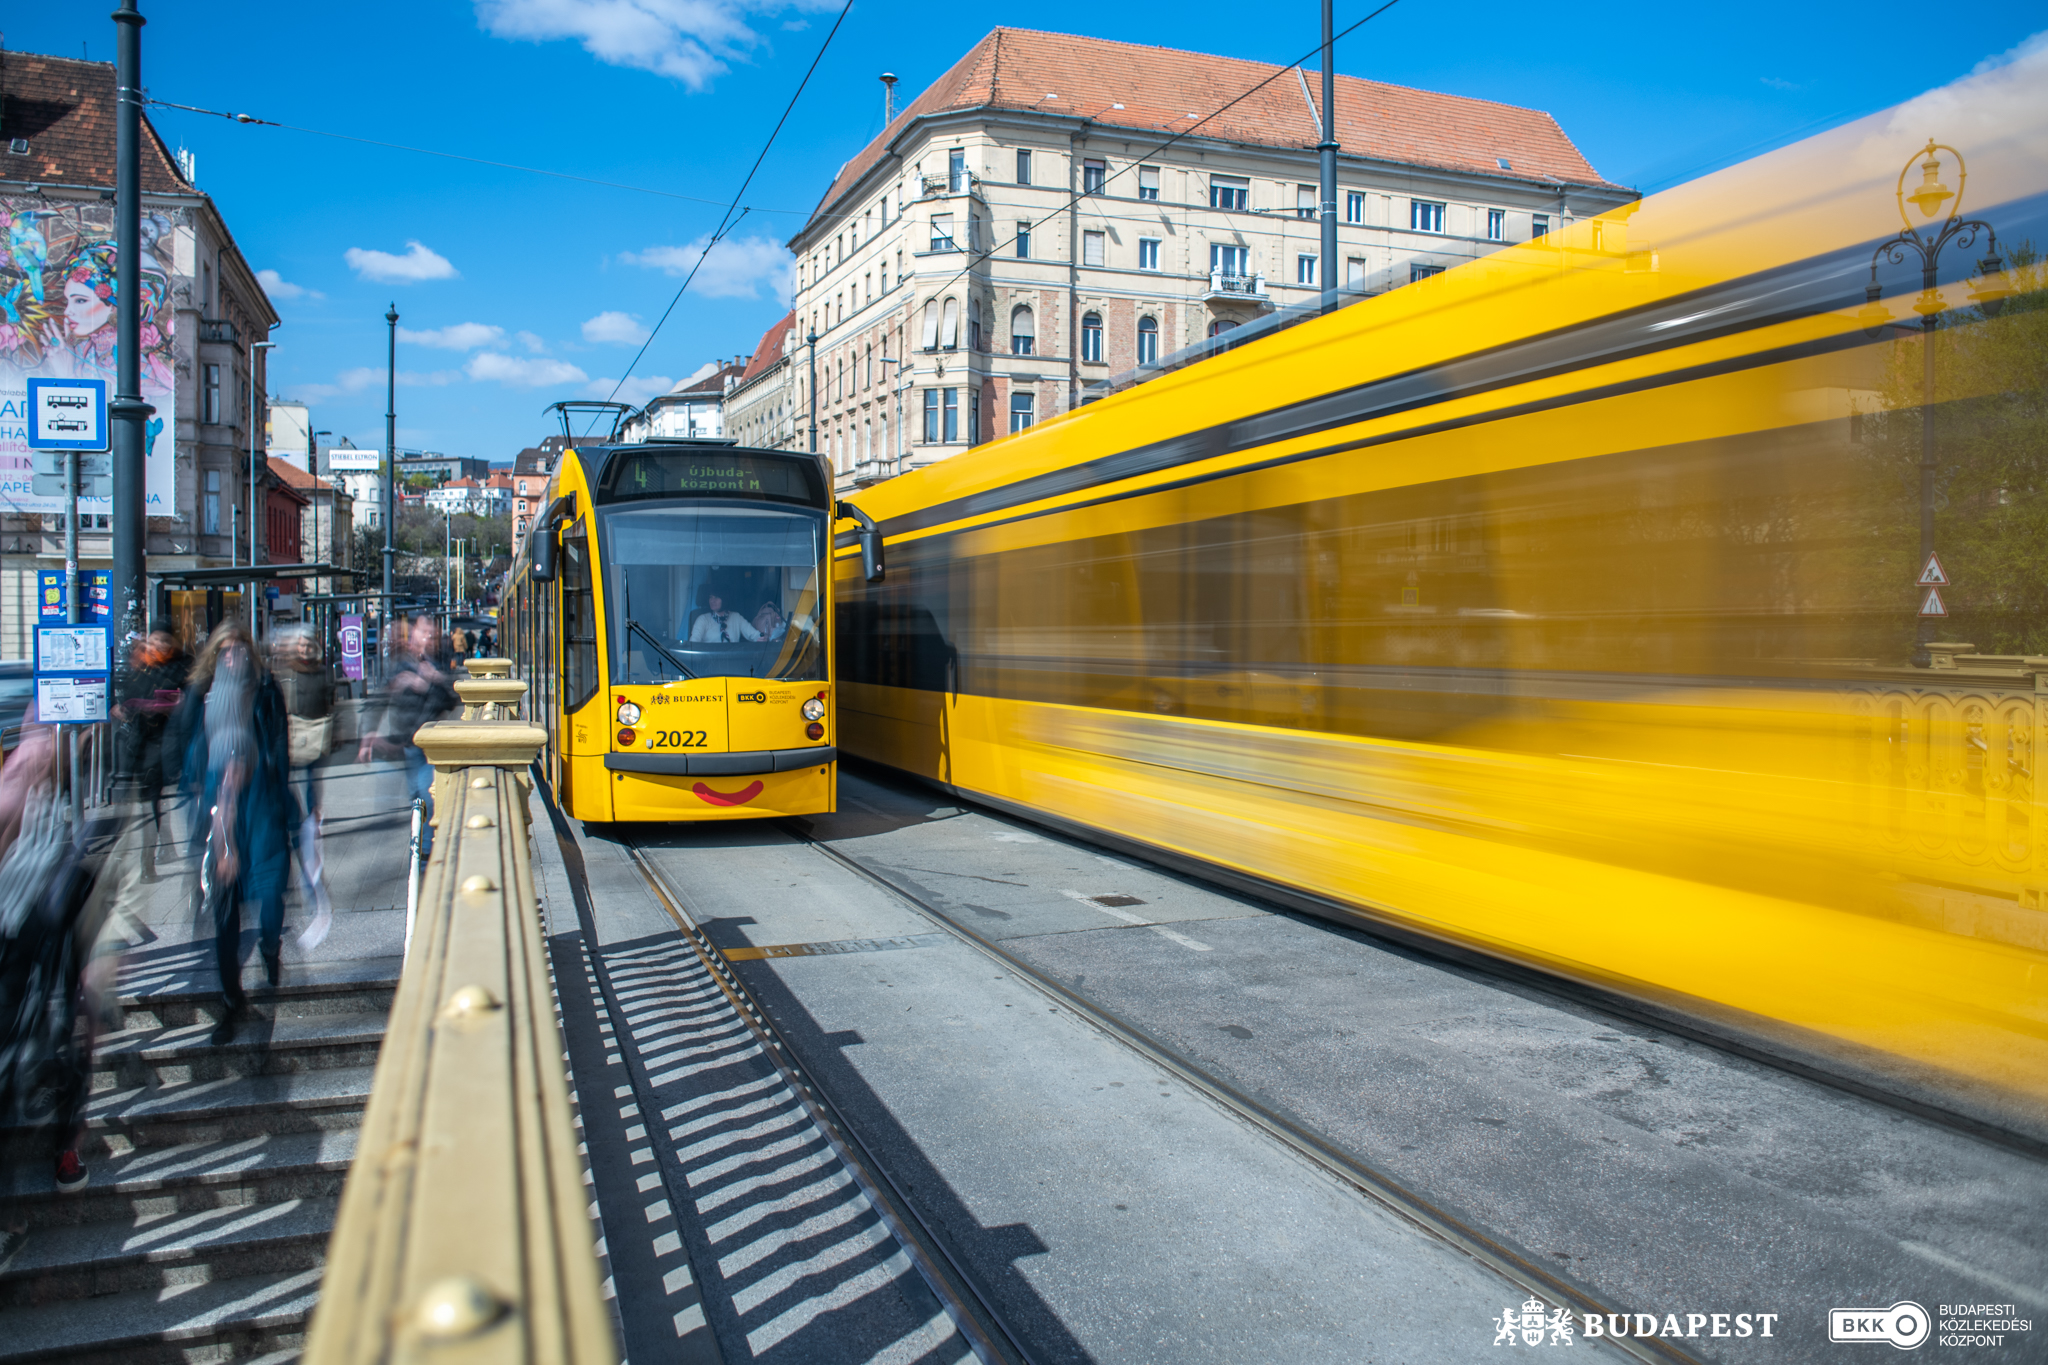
<point>629,714</point>
<point>814,709</point>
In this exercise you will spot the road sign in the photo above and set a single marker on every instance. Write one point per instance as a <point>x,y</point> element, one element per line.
<point>67,414</point>
<point>73,649</point>
<point>1931,575</point>
<point>95,474</point>
<point>1932,605</point>
<point>71,701</point>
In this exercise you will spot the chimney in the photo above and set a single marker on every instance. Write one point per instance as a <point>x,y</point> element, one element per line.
<point>888,98</point>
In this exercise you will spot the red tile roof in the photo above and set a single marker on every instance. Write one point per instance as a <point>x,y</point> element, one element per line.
<point>1158,87</point>
<point>64,107</point>
<point>293,476</point>
<point>770,348</point>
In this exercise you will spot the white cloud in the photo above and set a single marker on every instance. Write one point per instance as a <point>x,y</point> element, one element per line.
<point>365,378</point>
<point>531,342</point>
<point>461,336</point>
<point>521,373</point>
<point>688,40</point>
<point>704,371</point>
<point>735,269</point>
<point>418,263</point>
<point>618,329</point>
<point>278,287</point>
<point>1777,83</point>
<point>634,391</point>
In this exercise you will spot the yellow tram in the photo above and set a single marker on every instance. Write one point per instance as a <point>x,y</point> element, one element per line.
<point>1561,607</point>
<point>671,611</point>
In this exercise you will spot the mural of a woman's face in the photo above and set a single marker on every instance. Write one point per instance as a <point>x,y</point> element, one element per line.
<point>85,312</point>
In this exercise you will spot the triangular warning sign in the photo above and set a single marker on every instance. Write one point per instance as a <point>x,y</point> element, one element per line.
<point>1932,576</point>
<point>1932,604</point>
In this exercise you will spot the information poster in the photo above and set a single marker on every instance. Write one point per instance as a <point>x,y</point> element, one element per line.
<point>351,632</point>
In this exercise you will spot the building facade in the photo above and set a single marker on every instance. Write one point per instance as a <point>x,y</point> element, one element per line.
<point>203,310</point>
<point>1023,230</point>
<point>467,496</point>
<point>693,410</point>
<point>761,406</point>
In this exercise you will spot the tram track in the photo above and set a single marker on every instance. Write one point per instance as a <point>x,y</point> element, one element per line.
<point>973,1313</point>
<point>1328,1155</point>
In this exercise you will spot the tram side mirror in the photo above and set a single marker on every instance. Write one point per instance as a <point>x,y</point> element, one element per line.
<point>870,540</point>
<point>544,555</point>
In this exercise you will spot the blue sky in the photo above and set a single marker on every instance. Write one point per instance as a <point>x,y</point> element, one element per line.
<point>518,289</point>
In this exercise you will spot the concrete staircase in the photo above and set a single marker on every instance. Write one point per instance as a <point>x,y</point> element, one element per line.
<point>215,1171</point>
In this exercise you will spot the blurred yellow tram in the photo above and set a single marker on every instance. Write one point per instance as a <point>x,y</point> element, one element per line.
<point>1560,607</point>
<point>671,612</point>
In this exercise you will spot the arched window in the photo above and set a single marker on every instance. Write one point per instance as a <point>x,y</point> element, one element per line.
<point>1023,331</point>
<point>1148,341</point>
<point>1220,326</point>
<point>949,326</point>
<point>1091,338</point>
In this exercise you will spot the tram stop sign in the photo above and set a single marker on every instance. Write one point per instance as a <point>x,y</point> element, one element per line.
<point>67,414</point>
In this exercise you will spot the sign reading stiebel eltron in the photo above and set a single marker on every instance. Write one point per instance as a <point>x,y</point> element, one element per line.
<point>59,301</point>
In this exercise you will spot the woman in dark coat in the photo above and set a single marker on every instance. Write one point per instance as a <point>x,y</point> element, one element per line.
<point>238,761</point>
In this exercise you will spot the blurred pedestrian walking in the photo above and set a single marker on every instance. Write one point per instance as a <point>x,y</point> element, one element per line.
<point>238,763</point>
<point>148,692</point>
<point>420,692</point>
<point>301,672</point>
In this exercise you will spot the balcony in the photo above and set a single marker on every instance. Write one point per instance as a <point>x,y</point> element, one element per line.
<point>218,329</point>
<point>1223,285</point>
<point>939,186</point>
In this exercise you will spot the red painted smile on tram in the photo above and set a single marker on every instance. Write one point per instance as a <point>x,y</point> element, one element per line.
<point>738,798</point>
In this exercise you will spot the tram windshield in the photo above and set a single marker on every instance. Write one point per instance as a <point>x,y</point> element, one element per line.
<point>713,592</point>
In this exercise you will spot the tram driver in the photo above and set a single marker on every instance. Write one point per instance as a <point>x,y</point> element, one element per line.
<point>716,624</point>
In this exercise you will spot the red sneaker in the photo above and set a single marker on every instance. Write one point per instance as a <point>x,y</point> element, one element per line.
<point>71,1174</point>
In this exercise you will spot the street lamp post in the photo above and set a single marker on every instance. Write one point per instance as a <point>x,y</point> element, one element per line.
<point>1928,241</point>
<point>390,475</point>
<point>255,630</point>
<point>128,414</point>
<point>1326,152</point>
<point>813,340</point>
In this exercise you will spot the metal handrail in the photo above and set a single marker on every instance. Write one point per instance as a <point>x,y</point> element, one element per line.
<point>465,1221</point>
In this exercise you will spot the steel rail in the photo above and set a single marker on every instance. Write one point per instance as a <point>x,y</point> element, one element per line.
<point>1346,1166</point>
<point>973,1314</point>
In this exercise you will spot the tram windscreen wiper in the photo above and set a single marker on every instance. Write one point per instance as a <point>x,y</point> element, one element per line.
<point>659,648</point>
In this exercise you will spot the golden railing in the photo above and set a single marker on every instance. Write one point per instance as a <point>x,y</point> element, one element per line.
<point>464,1231</point>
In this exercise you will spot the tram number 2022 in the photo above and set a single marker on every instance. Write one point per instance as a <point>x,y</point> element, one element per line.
<point>678,739</point>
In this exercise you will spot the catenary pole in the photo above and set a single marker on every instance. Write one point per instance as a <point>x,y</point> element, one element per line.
<point>128,415</point>
<point>1327,148</point>
<point>390,473</point>
<point>812,338</point>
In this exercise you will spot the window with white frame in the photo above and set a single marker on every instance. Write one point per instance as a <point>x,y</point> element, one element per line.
<point>1228,259</point>
<point>213,495</point>
<point>1092,248</point>
<point>956,170</point>
<point>1305,201</point>
<point>1023,165</point>
<point>1023,240</point>
<point>1539,225</point>
<point>1304,268</point>
<point>1023,408</point>
<point>1148,341</point>
<point>1423,272</point>
<point>210,412</point>
<point>949,326</point>
<point>1093,175</point>
<point>1023,331</point>
<point>1091,338</point>
<point>1425,215</point>
<point>1496,225</point>
<point>951,406</point>
<point>1354,273</point>
<point>1148,253</point>
<point>931,417</point>
<point>1148,182</point>
<point>942,232</point>
<point>1354,207</point>
<point>1229,192</point>
<point>931,324</point>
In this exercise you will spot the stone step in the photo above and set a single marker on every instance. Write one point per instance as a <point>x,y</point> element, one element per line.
<point>163,1182</point>
<point>170,1254</point>
<point>182,1054</point>
<point>219,1111</point>
<point>174,994</point>
<point>243,1317</point>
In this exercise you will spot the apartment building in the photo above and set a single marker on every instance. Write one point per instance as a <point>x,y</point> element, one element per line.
<point>1056,210</point>
<point>761,407</point>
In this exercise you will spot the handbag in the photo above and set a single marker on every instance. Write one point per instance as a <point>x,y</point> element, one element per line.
<point>310,739</point>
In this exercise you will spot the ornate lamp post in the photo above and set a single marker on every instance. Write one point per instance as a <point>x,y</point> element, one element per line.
<point>1928,239</point>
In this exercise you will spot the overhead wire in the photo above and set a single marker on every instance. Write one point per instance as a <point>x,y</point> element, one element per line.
<point>451,156</point>
<point>728,222</point>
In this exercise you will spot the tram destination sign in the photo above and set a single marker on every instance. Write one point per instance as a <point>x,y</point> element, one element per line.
<point>714,473</point>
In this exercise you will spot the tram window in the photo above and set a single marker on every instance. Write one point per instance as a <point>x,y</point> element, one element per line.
<point>666,565</point>
<point>579,621</point>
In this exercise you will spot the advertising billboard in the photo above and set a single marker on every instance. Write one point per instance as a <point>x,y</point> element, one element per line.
<point>58,297</point>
